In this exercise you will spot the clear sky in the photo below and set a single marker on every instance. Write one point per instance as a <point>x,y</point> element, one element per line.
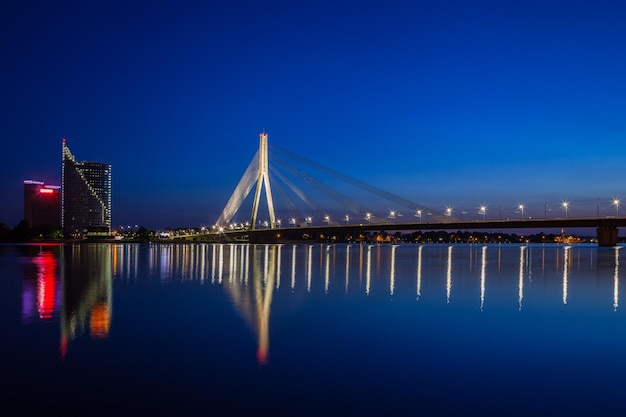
<point>446,103</point>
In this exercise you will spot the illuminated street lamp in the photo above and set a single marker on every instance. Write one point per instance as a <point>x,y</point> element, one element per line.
<point>347,219</point>
<point>327,219</point>
<point>521,209</point>
<point>419,214</point>
<point>616,202</point>
<point>448,211</point>
<point>565,205</point>
<point>309,220</point>
<point>278,222</point>
<point>392,215</point>
<point>368,217</point>
<point>292,221</point>
<point>483,211</point>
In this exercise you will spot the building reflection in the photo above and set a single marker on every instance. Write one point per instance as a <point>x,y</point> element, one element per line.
<point>86,273</point>
<point>41,295</point>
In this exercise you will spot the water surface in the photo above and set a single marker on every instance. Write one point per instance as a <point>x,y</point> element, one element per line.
<point>180,329</point>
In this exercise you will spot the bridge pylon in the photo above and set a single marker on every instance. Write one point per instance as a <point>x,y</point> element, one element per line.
<point>263,178</point>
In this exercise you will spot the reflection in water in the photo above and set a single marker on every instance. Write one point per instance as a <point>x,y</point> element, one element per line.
<point>449,274</point>
<point>327,270</point>
<point>616,280</point>
<point>520,285</point>
<point>419,271</point>
<point>347,267</point>
<point>87,290</point>
<point>368,270</point>
<point>483,274</point>
<point>566,250</point>
<point>309,267</point>
<point>39,288</point>
<point>251,273</point>
<point>293,267</point>
<point>392,273</point>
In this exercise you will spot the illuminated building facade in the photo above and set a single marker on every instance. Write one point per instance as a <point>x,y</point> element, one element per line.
<point>42,204</point>
<point>85,198</point>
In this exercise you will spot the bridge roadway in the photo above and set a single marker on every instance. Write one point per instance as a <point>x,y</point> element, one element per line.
<point>606,228</point>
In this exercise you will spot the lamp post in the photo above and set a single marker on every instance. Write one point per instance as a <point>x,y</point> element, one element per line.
<point>392,215</point>
<point>483,211</point>
<point>521,209</point>
<point>368,217</point>
<point>616,202</point>
<point>327,220</point>
<point>565,205</point>
<point>419,214</point>
<point>308,220</point>
<point>347,219</point>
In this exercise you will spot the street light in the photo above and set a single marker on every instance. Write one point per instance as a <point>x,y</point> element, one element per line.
<point>327,220</point>
<point>521,209</point>
<point>419,214</point>
<point>392,215</point>
<point>347,219</point>
<point>292,222</point>
<point>483,211</point>
<point>616,202</point>
<point>368,217</point>
<point>308,220</point>
<point>565,205</point>
<point>448,211</point>
<point>278,221</point>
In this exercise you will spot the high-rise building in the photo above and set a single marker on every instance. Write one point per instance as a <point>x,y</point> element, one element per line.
<point>42,204</point>
<point>86,197</point>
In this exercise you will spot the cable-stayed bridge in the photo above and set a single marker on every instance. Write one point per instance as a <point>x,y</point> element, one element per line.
<point>281,209</point>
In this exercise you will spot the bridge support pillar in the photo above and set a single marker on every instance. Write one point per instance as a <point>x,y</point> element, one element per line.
<point>607,235</point>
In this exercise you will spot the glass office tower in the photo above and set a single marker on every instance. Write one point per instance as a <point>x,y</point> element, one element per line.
<point>86,197</point>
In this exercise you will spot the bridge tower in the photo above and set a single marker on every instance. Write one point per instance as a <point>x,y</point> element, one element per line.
<point>263,178</point>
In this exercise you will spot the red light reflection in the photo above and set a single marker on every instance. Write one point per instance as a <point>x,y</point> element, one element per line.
<point>46,283</point>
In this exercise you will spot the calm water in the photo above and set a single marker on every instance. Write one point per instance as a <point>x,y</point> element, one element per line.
<point>98,329</point>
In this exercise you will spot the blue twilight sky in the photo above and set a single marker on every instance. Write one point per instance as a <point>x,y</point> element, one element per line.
<point>446,103</point>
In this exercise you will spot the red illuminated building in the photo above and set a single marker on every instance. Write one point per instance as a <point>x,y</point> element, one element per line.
<point>42,204</point>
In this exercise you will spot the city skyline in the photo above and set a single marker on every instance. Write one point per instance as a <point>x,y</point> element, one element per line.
<point>454,104</point>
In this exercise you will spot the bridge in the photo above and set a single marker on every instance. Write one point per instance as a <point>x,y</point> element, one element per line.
<point>362,219</point>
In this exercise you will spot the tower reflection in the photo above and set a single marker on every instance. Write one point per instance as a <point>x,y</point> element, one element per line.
<point>87,291</point>
<point>254,303</point>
